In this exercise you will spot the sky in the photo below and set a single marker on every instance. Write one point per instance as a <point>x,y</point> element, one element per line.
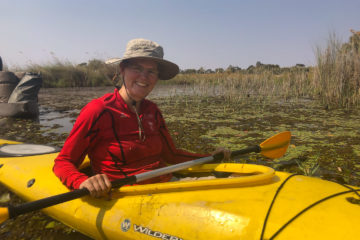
<point>194,34</point>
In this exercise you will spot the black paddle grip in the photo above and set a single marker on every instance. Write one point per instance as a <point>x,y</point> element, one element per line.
<point>219,156</point>
<point>15,211</point>
<point>251,149</point>
<point>123,181</point>
<point>46,202</point>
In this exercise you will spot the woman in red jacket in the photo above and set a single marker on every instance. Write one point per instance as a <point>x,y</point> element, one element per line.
<point>123,133</point>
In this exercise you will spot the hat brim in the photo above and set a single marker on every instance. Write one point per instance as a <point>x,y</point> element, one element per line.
<point>167,69</point>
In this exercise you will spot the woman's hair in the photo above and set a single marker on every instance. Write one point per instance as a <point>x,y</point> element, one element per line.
<point>117,79</point>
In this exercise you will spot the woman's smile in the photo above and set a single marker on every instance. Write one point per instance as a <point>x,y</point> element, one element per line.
<point>141,84</point>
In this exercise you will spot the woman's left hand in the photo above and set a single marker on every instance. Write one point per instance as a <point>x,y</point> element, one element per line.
<point>225,151</point>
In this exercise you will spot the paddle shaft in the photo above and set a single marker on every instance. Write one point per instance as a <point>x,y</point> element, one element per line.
<point>177,167</point>
<point>64,197</point>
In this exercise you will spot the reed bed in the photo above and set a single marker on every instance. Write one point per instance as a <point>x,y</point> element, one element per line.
<point>58,74</point>
<point>337,75</point>
<point>291,84</point>
<point>335,80</point>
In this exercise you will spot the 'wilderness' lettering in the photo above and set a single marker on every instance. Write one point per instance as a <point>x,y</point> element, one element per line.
<point>147,231</point>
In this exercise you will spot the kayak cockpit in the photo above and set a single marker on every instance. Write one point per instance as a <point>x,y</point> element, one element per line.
<point>205,176</point>
<point>241,175</point>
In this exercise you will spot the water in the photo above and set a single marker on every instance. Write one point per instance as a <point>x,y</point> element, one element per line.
<point>57,122</point>
<point>58,116</point>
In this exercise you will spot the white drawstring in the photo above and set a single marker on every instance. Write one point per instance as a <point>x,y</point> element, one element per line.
<point>142,136</point>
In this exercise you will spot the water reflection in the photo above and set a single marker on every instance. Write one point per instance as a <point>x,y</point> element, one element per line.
<point>59,122</point>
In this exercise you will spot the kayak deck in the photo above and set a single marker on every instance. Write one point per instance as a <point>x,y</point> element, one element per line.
<point>230,208</point>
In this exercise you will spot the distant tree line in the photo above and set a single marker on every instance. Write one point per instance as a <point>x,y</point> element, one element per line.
<point>259,67</point>
<point>96,73</point>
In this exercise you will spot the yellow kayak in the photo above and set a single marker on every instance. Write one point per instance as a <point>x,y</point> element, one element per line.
<point>254,202</point>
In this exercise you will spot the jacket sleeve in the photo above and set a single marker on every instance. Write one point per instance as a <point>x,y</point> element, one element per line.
<point>76,147</point>
<point>170,153</point>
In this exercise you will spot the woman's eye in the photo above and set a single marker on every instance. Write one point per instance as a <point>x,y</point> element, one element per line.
<point>137,69</point>
<point>153,72</point>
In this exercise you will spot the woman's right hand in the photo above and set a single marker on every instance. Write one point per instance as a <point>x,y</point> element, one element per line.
<point>98,185</point>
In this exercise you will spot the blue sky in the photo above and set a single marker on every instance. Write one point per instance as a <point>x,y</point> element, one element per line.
<point>194,34</point>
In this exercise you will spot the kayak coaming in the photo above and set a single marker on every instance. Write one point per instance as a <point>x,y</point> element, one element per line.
<point>243,175</point>
<point>213,209</point>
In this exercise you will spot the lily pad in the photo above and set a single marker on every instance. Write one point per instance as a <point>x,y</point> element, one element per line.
<point>50,225</point>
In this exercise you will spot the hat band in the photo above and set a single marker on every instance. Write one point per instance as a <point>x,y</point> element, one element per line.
<point>144,53</point>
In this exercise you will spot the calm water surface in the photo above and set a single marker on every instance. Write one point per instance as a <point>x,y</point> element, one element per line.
<point>60,107</point>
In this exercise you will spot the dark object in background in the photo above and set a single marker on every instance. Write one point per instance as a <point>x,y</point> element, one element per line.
<point>27,89</point>
<point>23,99</point>
<point>1,65</point>
<point>8,82</point>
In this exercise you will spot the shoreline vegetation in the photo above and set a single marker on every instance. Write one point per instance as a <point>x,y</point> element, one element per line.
<point>334,80</point>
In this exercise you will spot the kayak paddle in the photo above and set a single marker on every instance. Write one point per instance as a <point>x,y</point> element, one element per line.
<point>274,147</point>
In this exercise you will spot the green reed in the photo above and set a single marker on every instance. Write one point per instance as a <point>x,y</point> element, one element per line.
<point>337,75</point>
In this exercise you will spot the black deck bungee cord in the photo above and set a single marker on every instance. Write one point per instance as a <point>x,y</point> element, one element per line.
<point>310,206</point>
<point>348,187</point>
<point>272,203</point>
<point>302,211</point>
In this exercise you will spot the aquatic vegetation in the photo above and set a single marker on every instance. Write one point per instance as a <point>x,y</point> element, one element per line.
<point>310,167</point>
<point>325,143</point>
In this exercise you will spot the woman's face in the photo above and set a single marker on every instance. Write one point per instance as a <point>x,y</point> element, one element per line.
<point>140,77</point>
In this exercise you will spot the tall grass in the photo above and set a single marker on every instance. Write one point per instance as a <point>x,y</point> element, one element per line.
<point>337,75</point>
<point>58,74</point>
<point>292,83</point>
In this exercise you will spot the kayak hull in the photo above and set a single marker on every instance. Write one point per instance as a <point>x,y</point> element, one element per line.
<point>231,208</point>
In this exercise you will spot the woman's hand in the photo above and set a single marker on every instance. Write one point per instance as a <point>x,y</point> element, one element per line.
<point>225,151</point>
<point>98,185</point>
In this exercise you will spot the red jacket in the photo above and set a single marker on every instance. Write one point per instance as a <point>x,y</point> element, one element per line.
<point>108,132</point>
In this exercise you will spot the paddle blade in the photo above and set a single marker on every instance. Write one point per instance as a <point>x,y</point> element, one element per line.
<point>4,214</point>
<point>276,146</point>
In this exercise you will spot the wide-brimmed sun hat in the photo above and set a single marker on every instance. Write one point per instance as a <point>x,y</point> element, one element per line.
<point>145,49</point>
